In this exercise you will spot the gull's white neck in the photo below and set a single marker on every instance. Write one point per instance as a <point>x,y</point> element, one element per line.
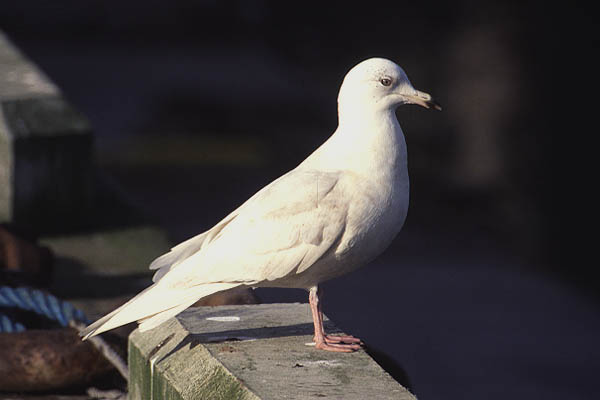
<point>370,143</point>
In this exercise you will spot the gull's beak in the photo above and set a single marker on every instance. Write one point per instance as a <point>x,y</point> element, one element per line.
<point>423,99</point>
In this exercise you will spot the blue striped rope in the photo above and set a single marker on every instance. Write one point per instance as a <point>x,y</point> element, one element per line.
<point>7,325</point>
<point>39,302</point>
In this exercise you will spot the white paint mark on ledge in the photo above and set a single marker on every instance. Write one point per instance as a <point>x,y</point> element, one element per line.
<point>224,319</point>
<point>320,363</point>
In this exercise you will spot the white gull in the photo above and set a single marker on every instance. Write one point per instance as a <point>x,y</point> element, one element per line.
<point>333,213</point>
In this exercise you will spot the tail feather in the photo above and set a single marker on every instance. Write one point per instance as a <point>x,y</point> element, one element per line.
<point>158,318</point>
<point>153,306</point>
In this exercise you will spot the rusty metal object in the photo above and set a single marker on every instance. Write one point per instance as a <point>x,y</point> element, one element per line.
<point>47,359</point>
<point>22,261</point>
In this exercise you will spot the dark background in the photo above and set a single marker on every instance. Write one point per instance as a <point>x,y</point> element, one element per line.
<point>196,105</point>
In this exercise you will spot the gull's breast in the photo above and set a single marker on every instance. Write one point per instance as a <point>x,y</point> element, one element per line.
<point>375,217</point>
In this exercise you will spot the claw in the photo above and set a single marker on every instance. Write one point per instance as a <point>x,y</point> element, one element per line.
<point>342,339</point>
<point>348,339</point>
<point>340,348</point>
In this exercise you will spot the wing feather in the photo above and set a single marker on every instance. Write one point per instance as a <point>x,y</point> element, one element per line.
<point>281,231</point>
<point>185,249</point>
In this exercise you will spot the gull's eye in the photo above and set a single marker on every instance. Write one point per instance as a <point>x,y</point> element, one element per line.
<point>386,81</point>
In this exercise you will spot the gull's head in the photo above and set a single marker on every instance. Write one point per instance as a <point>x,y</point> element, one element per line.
<point>380,84</point>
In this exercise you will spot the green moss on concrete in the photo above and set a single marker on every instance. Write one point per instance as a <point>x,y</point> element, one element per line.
<point>146,385</point>
<point>223,385</point>
<point>208,380</point>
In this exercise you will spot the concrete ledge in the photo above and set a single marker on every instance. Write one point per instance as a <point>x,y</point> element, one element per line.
<point>249,352</point>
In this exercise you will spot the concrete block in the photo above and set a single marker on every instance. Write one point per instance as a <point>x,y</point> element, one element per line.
<point>46,174</point>
<point>249,352</point>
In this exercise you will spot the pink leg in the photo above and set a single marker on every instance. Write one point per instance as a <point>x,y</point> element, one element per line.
<point>345,344</point>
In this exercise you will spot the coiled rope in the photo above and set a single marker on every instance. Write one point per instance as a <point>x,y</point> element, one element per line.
<point>40,303</point>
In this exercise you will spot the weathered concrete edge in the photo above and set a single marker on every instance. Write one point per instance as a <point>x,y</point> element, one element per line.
<point>152,379</point>
<point>182,346</point>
